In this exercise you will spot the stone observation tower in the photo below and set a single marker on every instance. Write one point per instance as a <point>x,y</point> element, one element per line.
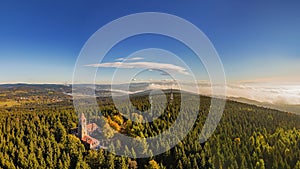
<point>82,131</point>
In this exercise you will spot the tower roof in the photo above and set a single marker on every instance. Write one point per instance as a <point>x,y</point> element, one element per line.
<point>82,116</point>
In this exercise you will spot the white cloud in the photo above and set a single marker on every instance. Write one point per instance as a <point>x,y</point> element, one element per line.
<point>287,94</point>
<point>269,93</point>
<point>129,59</point>
<point>145,65</point>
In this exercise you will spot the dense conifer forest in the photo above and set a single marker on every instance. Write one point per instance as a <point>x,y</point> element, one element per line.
<point>37,136</point>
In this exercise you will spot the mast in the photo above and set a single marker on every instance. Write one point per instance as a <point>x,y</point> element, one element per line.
<point>171,95</point>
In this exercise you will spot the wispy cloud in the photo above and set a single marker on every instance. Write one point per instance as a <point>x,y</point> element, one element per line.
<point>145,65</point>
<point>129,59</point>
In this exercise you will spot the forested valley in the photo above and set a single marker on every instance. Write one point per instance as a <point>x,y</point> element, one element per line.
<point>38,136</point>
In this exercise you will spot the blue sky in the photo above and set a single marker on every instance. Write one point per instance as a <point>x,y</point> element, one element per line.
<point>40,41</point>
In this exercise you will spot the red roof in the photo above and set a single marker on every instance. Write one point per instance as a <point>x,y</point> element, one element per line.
<point>91,127</point>
<point>90,140</point>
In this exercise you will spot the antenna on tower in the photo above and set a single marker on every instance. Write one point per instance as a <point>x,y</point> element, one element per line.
<point>171,94</point>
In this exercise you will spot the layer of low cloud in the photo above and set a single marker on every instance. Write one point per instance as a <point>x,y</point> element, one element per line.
<point>277,94</point>
<point>269,93</point>
<point>145,65</point>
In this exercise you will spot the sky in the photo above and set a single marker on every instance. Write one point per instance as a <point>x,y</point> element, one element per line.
<point>257,41</point>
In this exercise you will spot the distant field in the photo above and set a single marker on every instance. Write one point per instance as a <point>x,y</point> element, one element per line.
<point>9,103</point>
<point>19,91</point>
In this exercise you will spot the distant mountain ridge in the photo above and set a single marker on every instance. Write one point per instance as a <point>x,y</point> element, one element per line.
<point>106,90</point>
<point>282,107</point>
